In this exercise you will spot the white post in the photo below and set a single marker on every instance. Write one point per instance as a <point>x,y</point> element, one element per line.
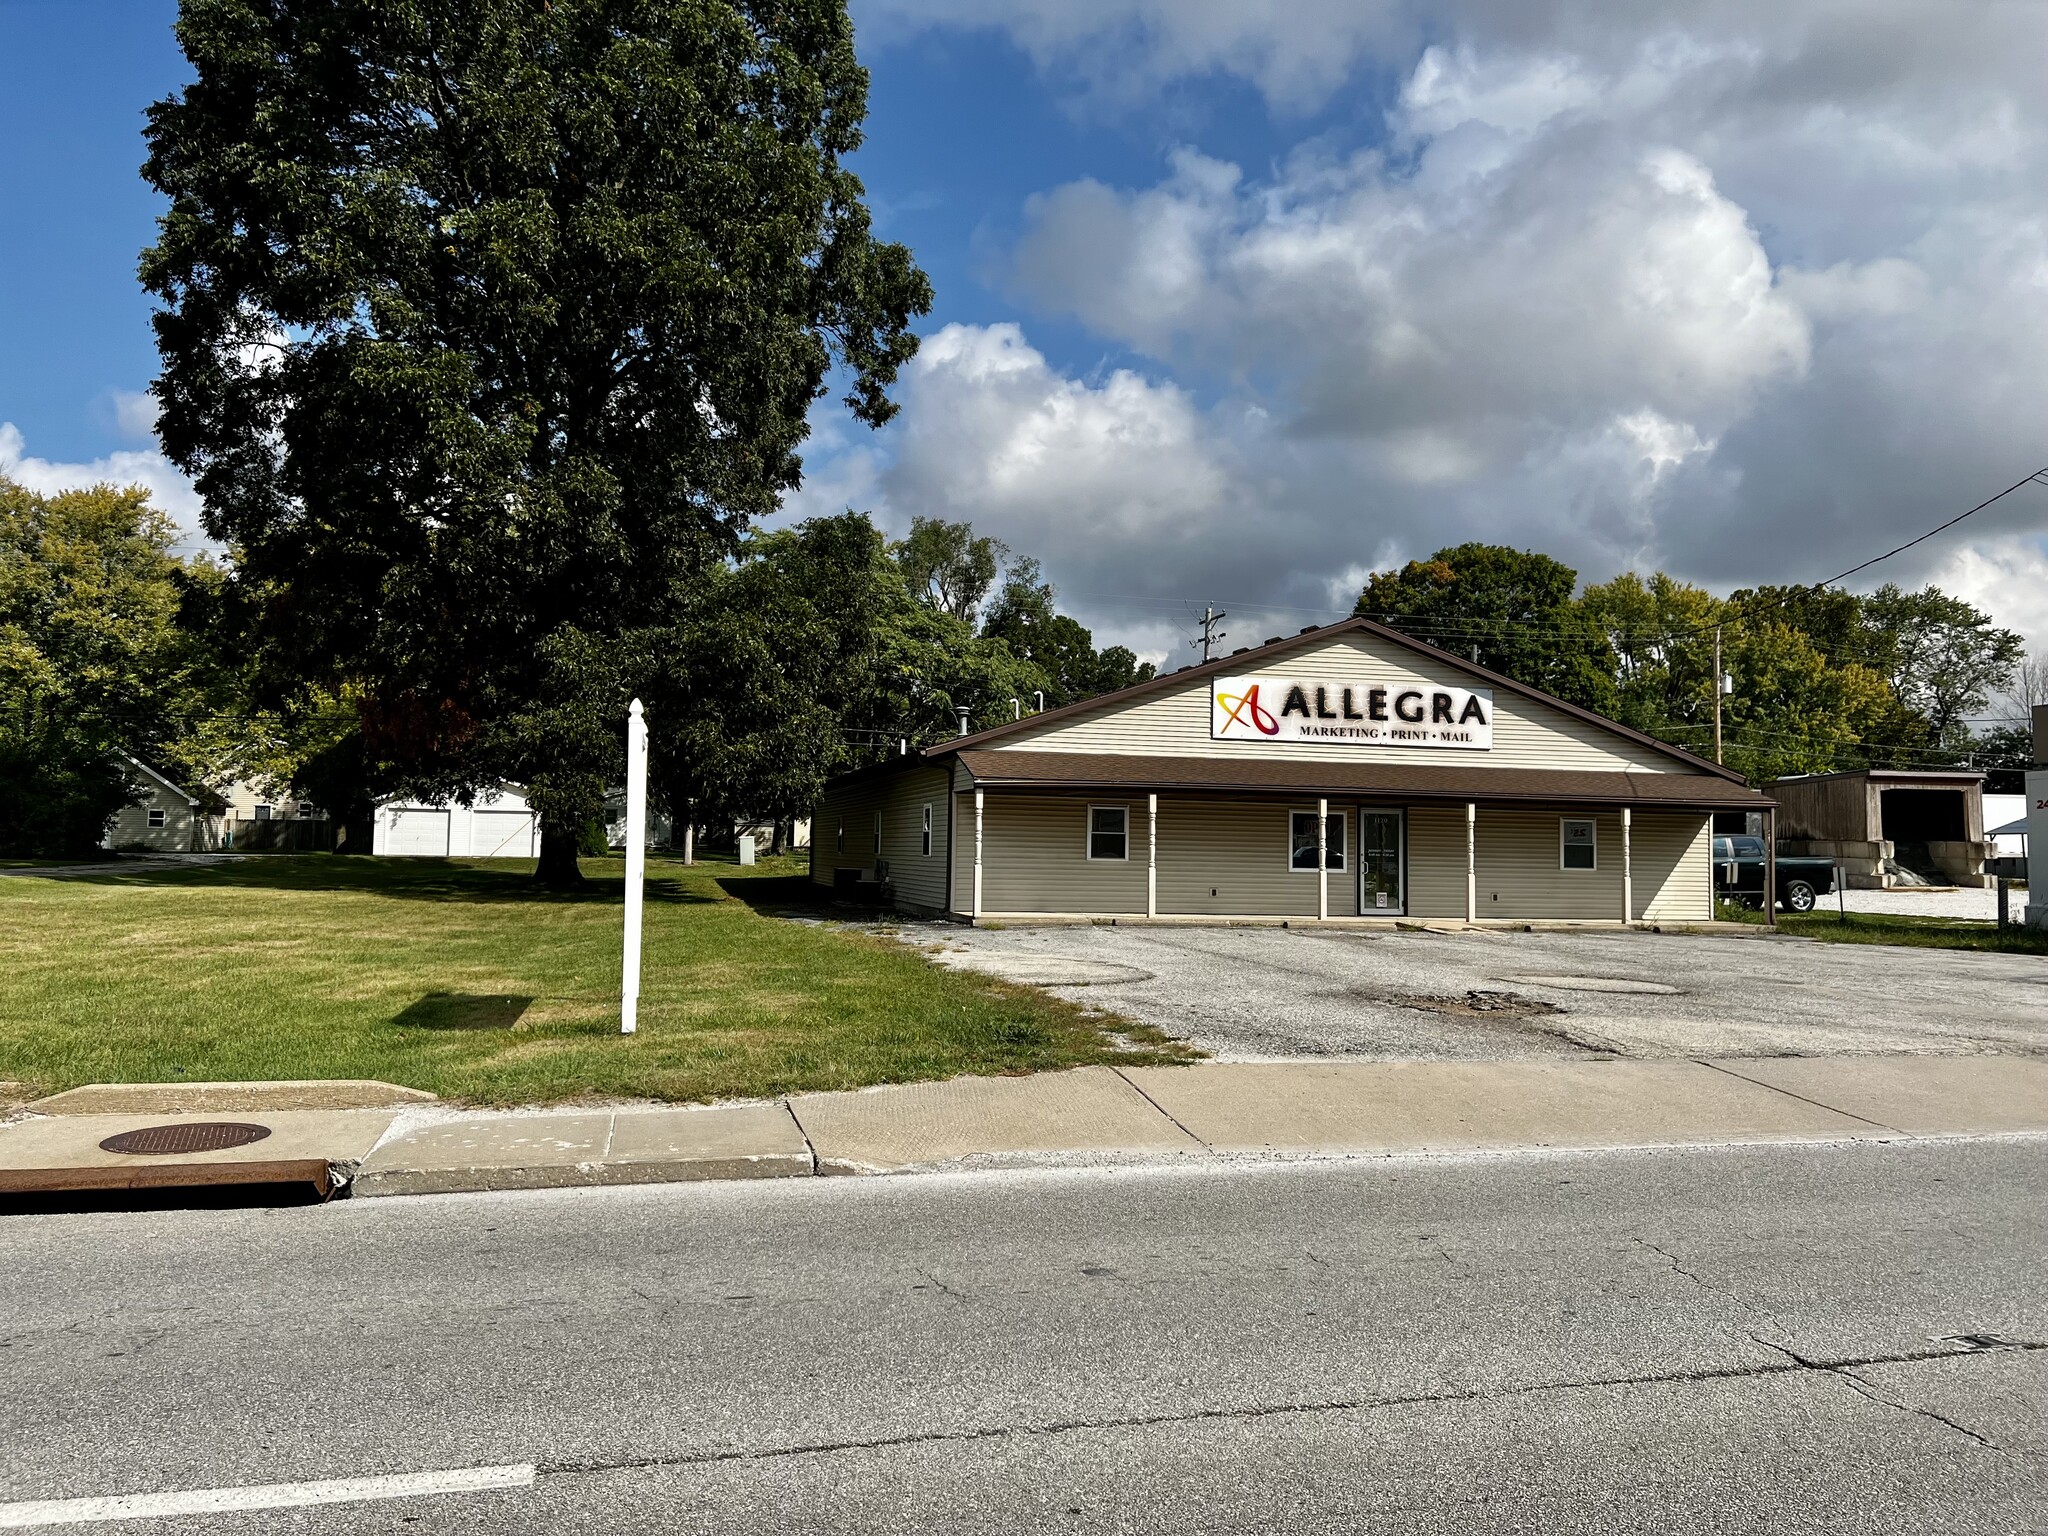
<point>636,863</point>
<point>1322,861</point>
<point>690,832</point>
<point>977,853</point>
<point>1152,855</point>
<point>1471,862</point>
<point>1628,877</point>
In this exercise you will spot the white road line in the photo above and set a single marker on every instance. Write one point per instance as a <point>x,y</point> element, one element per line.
<point>214,1501</point>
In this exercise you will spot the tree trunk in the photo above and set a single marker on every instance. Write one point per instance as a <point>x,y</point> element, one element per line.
<point>558,869</point>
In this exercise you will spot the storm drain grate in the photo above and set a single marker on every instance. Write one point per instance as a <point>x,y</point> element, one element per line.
<point>189,1136</point>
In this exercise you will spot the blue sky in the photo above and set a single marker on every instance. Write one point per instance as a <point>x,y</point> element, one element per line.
<point>1240,299</point>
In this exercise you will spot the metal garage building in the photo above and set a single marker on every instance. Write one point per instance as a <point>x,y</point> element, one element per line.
<point>1346,773</point>
<point>498,826</point>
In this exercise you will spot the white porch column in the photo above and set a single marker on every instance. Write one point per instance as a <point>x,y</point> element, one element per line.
<point>1322,861</point>
<point>1471,862</point>
<point>1628,877</point>
<point>1152,855</point>
<point>978,794</point>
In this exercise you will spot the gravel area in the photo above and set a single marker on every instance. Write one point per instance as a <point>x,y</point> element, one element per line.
<point>1979,905</point>
<point>1306,993</point>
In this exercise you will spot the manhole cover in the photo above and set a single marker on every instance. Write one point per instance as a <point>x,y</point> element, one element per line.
<point>190,1136</point>
<point>1596,984</point>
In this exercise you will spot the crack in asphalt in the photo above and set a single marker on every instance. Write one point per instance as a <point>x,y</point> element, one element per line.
<point>1797,1365</point>
<point>1845,1370</point>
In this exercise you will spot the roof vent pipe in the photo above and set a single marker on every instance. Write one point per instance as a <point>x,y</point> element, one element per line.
<point>963,718</point>
<point>903,746</point>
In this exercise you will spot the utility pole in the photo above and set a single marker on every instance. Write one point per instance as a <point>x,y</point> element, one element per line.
<point>1717,693</point>
<point>1210,633</point>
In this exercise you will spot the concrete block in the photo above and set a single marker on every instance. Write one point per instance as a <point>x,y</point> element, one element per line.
<point>63,1152</point>
<point>738,1141</point>
<point>251,1098</point>
<point>1471,1105</point>
<point>1920,1095</point>
<point>557,1151</point>
<point>1088,1110</point>
<point>481,1152</point>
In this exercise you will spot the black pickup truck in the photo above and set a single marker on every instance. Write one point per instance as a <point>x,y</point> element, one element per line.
<point>1739,875</point>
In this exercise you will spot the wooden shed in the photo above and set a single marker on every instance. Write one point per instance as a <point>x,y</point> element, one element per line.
<point>1928,821</point>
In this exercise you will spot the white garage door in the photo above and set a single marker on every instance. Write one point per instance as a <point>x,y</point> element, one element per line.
<point>501,834</point>
<point>418,832</point>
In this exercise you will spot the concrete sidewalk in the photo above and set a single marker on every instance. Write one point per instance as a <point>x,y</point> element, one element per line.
<point>1091,1115</point>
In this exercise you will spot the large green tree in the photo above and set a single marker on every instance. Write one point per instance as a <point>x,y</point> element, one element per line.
<point>94,660</point>
<point>1512,609</point>
<point>487,328</point>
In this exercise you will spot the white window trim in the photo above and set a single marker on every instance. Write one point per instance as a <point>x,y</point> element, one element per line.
<point>157,817</point>
<point>1088,834</point>
<point>926,831</point>
<point>1593,823</point>
<point>878,834</point>
<point>1338,815</point>
<point>839,845</point>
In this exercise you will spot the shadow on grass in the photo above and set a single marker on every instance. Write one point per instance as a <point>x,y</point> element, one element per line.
<point>463,1010</point>
<point>799,896</point>
<point>405,879</point>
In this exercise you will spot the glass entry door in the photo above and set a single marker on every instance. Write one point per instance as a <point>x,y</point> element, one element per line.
<point>1382,862</point>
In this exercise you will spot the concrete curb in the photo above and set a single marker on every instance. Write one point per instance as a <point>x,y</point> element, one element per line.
<point>1099,1116</point>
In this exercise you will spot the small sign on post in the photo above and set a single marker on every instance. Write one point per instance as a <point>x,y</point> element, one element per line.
<point>636,863</point>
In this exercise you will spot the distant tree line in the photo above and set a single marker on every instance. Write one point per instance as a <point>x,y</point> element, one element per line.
<point>1816,679</point>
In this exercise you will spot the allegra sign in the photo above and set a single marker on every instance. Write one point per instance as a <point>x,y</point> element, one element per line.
<point>1397,715</point>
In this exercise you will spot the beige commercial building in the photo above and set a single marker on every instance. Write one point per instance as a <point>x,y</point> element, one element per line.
<point>1348,773</point>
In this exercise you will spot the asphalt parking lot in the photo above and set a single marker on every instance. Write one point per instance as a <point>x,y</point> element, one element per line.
<point>1260,994</point>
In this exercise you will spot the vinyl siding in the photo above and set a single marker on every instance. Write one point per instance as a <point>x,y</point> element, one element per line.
<point>1674,867</point>
<point>1526,733</point>
<point>1034,859</point>
<point>130,826</point>
<point>1436,861</point>
<point>920,879</point>
<point>1229,859</point>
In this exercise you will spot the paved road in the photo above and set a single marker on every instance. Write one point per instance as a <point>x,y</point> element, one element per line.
<point>1733,1340</point>
<point>1278,993</point>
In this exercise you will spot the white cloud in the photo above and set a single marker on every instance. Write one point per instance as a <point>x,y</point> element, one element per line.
<point>135,413</point>
<point>168,488</point>
<point>1749,289</point>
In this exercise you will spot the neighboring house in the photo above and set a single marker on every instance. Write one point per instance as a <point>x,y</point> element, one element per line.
<point>167,818</point>
<point>499,825</point>
<point>258,821</point>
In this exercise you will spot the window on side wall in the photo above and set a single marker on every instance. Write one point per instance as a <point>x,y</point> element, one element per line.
<point>263,812</point>
<point>878,834</point>
<point>1578,844</point>
<point>839,839</point>
<point>156,815</point>
<point>926,834</point>
<point>1301,841</point>
<point>1109,832</point>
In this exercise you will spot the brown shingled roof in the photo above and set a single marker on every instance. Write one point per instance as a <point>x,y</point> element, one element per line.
<point>1054,771</point>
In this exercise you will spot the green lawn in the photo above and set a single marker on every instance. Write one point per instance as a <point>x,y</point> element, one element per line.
<point>1889,928</point>
<point>459,976</point>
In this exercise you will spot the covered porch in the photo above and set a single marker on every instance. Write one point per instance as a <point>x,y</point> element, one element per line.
<point>1066,836</point>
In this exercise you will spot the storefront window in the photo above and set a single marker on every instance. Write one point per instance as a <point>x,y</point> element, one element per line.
<point>1109,832</point>
<point>1580,849</point>
<point>1302,841</point>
